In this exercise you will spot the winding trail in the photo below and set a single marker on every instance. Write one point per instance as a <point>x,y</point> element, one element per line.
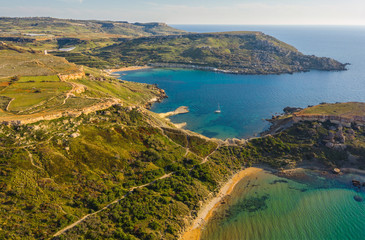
<point>210,154</point>
<point>32,160</point>
<point>65,229</point>
<point>107,206</point>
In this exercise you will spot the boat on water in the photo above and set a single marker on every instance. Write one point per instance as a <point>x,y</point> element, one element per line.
<point>218,109</point>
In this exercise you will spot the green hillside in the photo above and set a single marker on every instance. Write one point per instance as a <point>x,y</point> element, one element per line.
<point>37,26</point>
<point>20,61</point>
<point>240,52</point>
<point>82,157</point>
<point>127,177</point>
<point>34,85</point>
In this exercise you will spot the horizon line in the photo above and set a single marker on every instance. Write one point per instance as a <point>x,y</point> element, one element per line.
<point>201,24</point>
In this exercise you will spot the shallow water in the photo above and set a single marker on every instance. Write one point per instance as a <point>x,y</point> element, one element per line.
<point>265,206</point>
<point>247,100</point>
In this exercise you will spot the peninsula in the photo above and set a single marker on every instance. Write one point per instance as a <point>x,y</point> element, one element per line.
<point>230,52</point>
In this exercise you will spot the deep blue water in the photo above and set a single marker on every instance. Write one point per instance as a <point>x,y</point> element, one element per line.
<point>247,100</point>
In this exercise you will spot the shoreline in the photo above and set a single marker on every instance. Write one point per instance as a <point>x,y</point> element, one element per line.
<point>179,110</point>
<point>235,70</point>
<point>125,69</point>
<point>206,212</point>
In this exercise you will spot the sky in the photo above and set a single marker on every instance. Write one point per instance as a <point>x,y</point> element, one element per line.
<point>250,12</point>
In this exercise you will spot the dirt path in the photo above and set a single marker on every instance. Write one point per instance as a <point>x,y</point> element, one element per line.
<point>107,206</point>
<point>32,160</point>
<point>118,200</point>
<point>133,188</point>
<point>7,106</point>
<point>76,88</point>
<point>210,154</point>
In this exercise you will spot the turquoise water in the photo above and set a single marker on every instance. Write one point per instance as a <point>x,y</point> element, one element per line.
<point>268,207</point>
<point>247,100</point>
<point>310,206</point>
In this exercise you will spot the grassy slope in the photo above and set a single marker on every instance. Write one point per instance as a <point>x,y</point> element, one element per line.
<point>245,52</point>
<point>85,35</point>
<point>38,90</point>
<point>64,178</point>
<point>83,28</point>
<point>337,109</point>
<point>49,179</point>
<point>24,62</point>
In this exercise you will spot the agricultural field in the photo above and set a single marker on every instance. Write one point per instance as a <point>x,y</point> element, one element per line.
<point>29,94</point>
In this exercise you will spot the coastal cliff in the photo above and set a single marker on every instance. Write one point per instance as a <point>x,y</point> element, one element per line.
<point>344,114</point>
<point>345,121</point>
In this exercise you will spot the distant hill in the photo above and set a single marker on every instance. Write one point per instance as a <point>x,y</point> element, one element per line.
<point>37,26</point>
<point>15,60</point>
<point>82,36</point>
<point>238,52</point>
<point>35,86</point>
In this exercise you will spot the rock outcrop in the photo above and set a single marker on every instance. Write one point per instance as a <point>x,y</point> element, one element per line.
<point>340,120</point>
<point>27,119</point>
<point>71,76</point>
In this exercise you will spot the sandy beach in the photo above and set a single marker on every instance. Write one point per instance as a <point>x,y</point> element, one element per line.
<point>194,232</point>
<point>124,69</point>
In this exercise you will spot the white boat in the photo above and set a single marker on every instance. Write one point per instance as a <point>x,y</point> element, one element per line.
<point>218,110</point>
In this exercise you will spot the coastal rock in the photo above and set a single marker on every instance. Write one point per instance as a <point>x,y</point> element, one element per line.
<point>356,183</point>
<point>179,110</point>
<point>289,110</point>
<point>358,198</point>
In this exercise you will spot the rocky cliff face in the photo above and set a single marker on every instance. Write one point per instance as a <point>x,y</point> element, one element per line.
<point>72,76</point>
<point>342,120</point>
<point>27,119</point>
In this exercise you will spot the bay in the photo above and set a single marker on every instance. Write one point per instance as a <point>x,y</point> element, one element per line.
<point>247,100</point>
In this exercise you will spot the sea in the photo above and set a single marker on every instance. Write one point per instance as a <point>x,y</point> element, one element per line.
<point>247,101</point>
<point>310,205</point>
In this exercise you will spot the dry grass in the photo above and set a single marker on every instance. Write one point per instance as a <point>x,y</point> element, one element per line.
<point>25,63</point>
<point>337,109</point>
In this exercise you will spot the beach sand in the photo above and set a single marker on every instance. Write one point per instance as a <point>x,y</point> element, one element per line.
<point>132,68</point>
<point>206,212</point>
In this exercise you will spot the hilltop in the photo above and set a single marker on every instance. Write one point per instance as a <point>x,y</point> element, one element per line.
<point>236,52</point>
<point>38,27</point>
<point>75,39</point>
